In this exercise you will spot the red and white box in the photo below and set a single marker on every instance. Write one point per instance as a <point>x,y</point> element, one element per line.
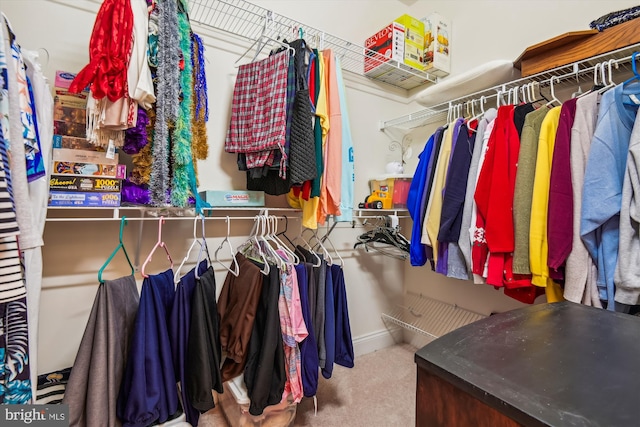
<point>386,44</point>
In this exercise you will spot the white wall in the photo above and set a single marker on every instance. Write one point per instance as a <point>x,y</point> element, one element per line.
<point>482,30</point>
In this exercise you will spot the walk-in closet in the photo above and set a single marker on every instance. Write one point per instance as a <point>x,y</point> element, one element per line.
<point>319,213</point>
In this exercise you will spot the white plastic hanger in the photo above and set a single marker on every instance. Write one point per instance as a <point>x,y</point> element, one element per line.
<point>202,242</point>
<point>553,92</point>
<point>252,245</point>
<point>235,268</point>
<point>159,243</point>
<point>281,245</point>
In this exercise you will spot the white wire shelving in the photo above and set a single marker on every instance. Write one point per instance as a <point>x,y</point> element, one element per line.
<point>247,20</point>
<point>576,72</point>
<point>428,316</point>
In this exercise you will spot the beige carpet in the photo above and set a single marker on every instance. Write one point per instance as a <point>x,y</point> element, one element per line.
<point>379,391</point>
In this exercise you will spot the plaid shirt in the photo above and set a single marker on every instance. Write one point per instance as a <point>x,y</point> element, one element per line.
<point>259,110</point>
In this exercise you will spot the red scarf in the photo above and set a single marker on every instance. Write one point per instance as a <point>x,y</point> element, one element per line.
<point>109,52</point>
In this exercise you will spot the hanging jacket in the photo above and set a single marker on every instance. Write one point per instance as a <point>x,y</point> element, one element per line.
<point>417,253</point>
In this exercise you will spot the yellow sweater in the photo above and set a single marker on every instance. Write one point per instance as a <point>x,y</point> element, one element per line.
<point>538,244</point>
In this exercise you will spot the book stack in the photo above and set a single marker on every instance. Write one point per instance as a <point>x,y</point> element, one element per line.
<point>83,174</point>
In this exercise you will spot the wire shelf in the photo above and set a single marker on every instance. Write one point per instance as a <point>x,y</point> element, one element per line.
<point>247,20</point>
<point>429,317</point>
<point>570,73</point>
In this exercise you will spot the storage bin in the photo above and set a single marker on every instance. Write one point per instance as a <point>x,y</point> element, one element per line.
<point>234,404</point>
<point>400,192</point>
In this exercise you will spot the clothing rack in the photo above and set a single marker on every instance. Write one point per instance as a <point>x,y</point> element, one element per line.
<point>247,20</point>
<point>576,72</point>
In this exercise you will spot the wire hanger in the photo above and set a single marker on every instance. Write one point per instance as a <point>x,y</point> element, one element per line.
<point>318,262</point>
<point>284,232</point>
<point>123,222</point>
<point>326,238</point>
<point>203,248</point>
<point>319,244</point>
<point>234,262</point>
<point>159,243</point>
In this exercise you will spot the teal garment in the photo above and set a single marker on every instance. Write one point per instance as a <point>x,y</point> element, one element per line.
<point>317,131</point>
<point>348,169</point>
<point>15,386</point>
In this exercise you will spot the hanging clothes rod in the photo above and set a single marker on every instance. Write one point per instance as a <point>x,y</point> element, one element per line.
<point>575,70</point>
<point>152,218</point>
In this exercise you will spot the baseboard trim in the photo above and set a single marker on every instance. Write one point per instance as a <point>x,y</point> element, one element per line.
<point>377,340</point>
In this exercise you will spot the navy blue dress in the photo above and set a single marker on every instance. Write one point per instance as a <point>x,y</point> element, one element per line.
<point>149,394</point>
<point>308,347</point>
<point>179,326</point>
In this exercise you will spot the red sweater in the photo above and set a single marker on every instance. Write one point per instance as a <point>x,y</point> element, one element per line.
<point>494,198</point>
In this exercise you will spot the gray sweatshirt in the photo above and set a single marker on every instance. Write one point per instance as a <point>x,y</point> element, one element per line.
<point>580,271</point>
<point>627,275</point>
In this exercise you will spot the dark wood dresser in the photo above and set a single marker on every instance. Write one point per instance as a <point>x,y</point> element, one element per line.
<point>559,364</point>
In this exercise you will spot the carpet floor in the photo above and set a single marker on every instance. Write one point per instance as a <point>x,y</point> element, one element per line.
<point>379,391</point>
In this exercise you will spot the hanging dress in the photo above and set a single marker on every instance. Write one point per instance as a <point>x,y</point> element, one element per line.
<point>179,327</point>
<point>99,366</point>
<point>149,393</point>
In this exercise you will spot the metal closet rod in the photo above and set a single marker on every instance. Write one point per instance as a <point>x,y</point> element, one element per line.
<point>564,72</point>
<point>153,218</point>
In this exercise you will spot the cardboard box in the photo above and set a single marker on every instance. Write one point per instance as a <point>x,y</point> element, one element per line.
<point>401,41</point>
<point>437,52</point>
<point>71,142</point>
<point>84,156</point>
<point>84,183</point>
<point>386,44</point>
<point>414,54</point>
<point>84,199</point>
<point>240,198</point>
<point>89,169</point>
<point>63,79</point>
<point>413,29</point>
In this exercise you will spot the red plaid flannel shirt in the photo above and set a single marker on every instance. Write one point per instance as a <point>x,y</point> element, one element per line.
<point>259,110</point>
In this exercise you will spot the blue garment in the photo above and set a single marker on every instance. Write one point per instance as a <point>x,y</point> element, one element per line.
<point>604,175</point>
<point>344,344</point>
<point>348,171</point>
<point>308,347</point>
<point>443,247</point>
<point>417,190</point>
<point>179,326</point>
<point>329,324</point>
<point>456,185</point>
<point>149,394</point>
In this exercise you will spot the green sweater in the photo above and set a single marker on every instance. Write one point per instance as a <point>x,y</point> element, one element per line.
<point>524,188</point>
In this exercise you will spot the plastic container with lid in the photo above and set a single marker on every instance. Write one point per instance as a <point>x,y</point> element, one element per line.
<point>234,403</point>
